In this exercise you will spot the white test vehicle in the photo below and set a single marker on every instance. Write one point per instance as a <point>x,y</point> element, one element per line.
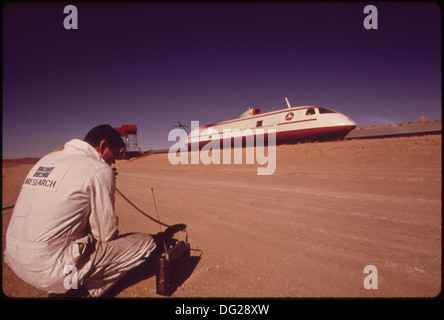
<point>292,124</point>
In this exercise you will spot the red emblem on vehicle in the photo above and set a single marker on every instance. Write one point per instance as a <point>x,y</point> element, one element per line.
<point>289,116</point>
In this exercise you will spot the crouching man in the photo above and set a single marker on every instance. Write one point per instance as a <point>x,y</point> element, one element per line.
<point>64,217</point>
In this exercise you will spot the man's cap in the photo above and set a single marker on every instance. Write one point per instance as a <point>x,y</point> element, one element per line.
<point>104,132</point>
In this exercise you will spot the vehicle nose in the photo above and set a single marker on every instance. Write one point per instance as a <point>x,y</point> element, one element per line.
<point>352,122</point>
<point>348,121</point>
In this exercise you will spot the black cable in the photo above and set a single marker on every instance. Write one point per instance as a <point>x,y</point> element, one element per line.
<point>145,214</point>
<point>129,201</point>
<point>177,227</point>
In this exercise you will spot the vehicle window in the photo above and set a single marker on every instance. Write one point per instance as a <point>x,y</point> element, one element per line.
<point>310,111</point>
<point>325,110</point>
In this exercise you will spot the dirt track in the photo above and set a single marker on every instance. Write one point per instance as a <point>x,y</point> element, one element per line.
<point>308,230</point>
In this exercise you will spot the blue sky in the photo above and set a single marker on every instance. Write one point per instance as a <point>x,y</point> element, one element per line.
<point>152,64</point>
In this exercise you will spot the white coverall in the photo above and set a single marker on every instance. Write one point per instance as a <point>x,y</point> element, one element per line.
<point>64,218</point>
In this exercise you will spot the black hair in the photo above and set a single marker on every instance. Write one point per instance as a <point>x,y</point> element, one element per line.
<point>104,132</point>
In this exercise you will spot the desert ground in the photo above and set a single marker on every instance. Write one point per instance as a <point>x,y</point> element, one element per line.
<point>308,230</point>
